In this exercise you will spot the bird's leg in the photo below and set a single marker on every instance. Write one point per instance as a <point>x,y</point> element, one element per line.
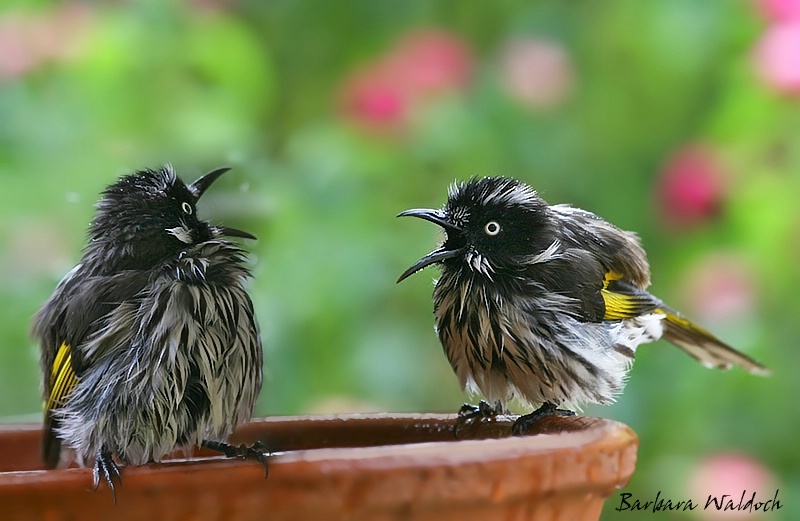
<point>482,410</point>
<point>255,451</point>
<point>104,465</point>
<point>525,421</point>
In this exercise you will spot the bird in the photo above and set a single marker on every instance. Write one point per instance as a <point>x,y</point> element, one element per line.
<point>150,343</point>
<point>546,304</point>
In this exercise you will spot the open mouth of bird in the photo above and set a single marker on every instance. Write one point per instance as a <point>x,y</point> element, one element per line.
<point>453,246</point>
<point>199,187</point>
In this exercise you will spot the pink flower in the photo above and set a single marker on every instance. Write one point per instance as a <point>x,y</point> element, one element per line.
<point>430,61</point>
<point>721,290</point>
<point>777,57</point>
<point>383,93</point>
<point>17,54</point>
<point>780,10</point>
<point>730,474</point>
<point>536,72</point>
<point>28,40</point>
<point>691,187</point>
<point>372,99</point>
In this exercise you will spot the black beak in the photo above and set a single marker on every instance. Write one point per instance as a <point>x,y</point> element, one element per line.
<point>233,232</point>
<point>439,254</point>
<point>199,187</point>
<point>434,216</point>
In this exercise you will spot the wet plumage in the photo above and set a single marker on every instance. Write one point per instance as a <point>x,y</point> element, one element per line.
<point>150,343</point>
<point>547,303</point>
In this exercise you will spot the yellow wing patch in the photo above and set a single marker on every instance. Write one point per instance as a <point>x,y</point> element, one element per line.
<point>617,306</point>
<point>62,378</point>
<point>609,277</point>
<point>624,305</point>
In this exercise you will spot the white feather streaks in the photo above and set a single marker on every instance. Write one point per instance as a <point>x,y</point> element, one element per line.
<point>509,350</point>
<point>178,365</point>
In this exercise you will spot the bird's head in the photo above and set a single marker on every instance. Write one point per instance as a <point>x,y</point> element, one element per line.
<point>150,215</point>
<point>491,224</point>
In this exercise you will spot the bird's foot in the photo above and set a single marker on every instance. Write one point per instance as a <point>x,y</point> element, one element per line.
<point>525,422</point>
<point>471,415</point>
<point>104,465</point>
<point>254,452</point>
<point>482,410</point>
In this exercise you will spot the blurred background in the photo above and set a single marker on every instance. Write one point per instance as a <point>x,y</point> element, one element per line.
<point>678,119</point>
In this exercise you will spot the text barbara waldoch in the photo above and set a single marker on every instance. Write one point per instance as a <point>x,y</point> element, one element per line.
<point>746,502</point>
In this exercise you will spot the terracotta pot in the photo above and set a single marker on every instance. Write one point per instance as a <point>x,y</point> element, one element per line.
<point>424,467</point>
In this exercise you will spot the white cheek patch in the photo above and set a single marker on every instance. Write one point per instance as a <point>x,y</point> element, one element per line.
<point>182,233</point>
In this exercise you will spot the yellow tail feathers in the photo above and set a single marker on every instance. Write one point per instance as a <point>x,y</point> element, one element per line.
<point>704,346</point>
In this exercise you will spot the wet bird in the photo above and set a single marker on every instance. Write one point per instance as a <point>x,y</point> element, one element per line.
<point>150,343</point>
<point>546,303</point>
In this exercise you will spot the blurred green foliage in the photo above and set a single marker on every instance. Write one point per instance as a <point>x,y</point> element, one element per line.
<point>90,91</point>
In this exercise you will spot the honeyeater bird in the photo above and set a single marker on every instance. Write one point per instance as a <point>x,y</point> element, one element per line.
<point>546,303</point>
<point>150,343</point>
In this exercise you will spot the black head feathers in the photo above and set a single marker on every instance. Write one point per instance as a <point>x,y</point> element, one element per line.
<point>150,215</point>
<point>491,223</point>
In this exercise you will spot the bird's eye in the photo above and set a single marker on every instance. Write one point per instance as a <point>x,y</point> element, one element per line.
<point>492,228</point>
<point>187,208</point>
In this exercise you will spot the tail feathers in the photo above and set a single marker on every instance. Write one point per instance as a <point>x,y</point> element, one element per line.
<point>705,347</point>
<point>51,445</point>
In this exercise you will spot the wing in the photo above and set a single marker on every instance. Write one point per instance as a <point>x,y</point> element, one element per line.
<point>623,300</point>
<point>592,254</point>
<point>598,294</point>
<point>626,274</point>
<point>616,250</point>
<point>75,310</point>
<point>573,273</point>
<point>61,383</point>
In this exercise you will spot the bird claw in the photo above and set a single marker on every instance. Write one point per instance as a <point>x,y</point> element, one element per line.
<point>526,421</point>
<point>254,451</point>
<point>104,464</point>
<point>482,410</point>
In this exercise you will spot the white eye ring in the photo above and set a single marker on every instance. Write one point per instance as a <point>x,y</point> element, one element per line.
<point>187,208</point>
<point>492,228</point>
